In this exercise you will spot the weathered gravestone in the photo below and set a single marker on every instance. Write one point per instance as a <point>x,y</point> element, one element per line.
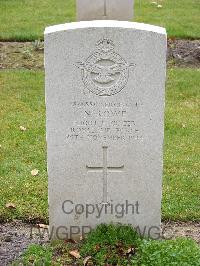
<point>105,85</point>
<point>104,9</point>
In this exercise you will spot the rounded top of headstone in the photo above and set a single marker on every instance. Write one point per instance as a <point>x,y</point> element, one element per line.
<point>105,24</point>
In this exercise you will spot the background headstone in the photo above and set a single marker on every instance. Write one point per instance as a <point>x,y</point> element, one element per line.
<point>104,9</point>
<point>105,83</point>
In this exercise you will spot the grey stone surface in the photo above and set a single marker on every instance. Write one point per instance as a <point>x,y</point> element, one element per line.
<point>105,83</point>
<point>104,9</point>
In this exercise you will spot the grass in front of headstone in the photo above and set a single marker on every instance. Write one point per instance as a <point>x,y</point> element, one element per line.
<point>181,183</point>
<point>180,17</point>
<point>114,245</point>
<point>23,150</point>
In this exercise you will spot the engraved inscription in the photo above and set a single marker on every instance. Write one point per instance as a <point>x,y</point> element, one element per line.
<point>105,73</point>
<point>105,169</point>
<point>104,121</point>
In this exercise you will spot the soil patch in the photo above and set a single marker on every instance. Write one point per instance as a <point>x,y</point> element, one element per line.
<point>184,53</point>
<point>21,55</point>
<point>172,230</point>
<point>16,236</point>
<point>30,55</point>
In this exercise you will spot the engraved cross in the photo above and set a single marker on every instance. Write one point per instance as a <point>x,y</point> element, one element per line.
<point>105,169</point>
<point>105,9</point>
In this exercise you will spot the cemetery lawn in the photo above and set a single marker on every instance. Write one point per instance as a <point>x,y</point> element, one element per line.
<point>26,20</point>
<point>113,245</point>
<point>23,148</point>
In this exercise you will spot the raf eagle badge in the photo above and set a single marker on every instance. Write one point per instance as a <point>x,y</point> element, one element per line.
<point>105,72</point>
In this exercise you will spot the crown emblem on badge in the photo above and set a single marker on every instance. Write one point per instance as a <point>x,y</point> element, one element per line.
<point>104,73</point>
<point>105,45</point>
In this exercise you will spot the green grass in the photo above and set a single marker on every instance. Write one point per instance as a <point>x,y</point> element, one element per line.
<point>181,182</point>
<point>115,245</point>
<point>109,244</point>
<point>22,104</point>
<point>177,252</point>
<point>180,17</point>
<point>25,20</point>
<point>36,255</point>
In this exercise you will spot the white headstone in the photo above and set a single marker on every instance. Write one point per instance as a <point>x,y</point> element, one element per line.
<point>104,9</point>
<point>105,83</point>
